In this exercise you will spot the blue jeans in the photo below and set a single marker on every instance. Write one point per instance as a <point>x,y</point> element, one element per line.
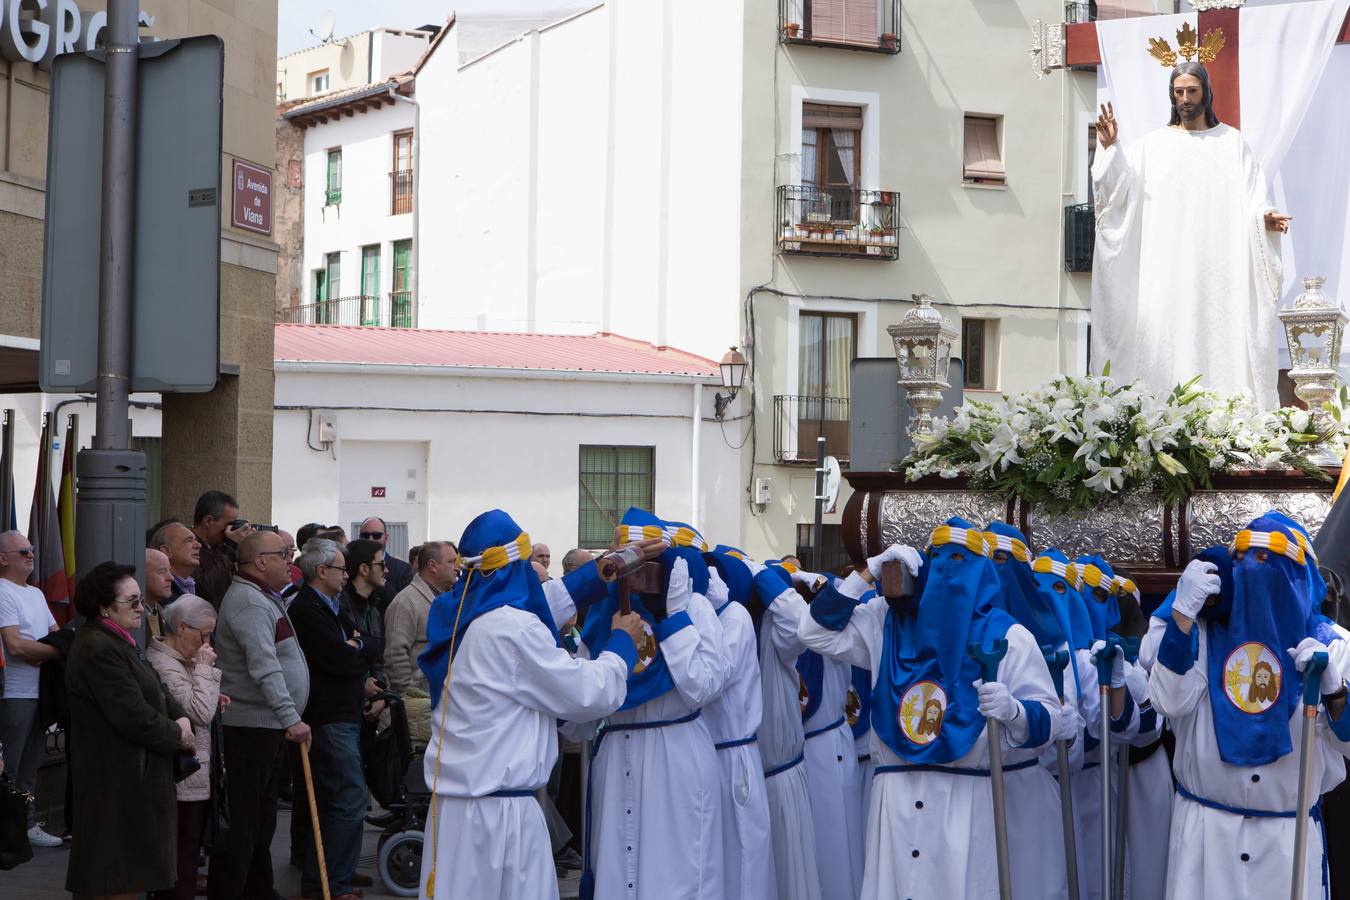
<point>340,791</point>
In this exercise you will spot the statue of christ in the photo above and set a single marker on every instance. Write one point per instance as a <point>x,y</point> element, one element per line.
<point>1186,273</point>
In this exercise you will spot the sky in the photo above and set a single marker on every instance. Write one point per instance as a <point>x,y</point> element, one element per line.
<point>295,18</point>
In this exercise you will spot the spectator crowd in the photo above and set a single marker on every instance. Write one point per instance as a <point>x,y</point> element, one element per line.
<point>188,703</point>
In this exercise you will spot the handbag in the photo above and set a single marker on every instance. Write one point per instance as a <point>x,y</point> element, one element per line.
<point>185,765</point>
<point>218,815</point>
<point>14,847</point>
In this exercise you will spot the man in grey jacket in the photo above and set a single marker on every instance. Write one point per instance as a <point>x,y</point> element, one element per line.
<point>263,672</point>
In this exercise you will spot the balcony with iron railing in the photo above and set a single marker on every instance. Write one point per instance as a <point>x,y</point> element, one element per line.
<point>838,222</point>
<point>393,310</point>
<point>400,192</point>
<point>797,422</point>
<point>872,25</point>
<point>1080,235</point>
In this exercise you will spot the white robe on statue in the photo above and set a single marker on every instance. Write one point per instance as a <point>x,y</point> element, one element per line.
<point>781,748</point>
<point>655,795</point>
<point>747,845</point>
<point>931,834</point>
<point>832,780</point>
<point>496,729</point>
<point>1215,853</point>
<point>1185,277</point>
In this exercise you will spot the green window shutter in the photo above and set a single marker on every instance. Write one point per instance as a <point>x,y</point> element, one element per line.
<point>334,196</point>
<point>370,285</point>
<point>611,479</point>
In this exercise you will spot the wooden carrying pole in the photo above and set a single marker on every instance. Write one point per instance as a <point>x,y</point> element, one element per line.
<point>314,819</point>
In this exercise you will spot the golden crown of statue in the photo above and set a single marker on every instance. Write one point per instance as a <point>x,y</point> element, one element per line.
<point>1187,47</point>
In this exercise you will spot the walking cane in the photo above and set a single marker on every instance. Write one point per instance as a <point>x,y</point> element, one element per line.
<point>1130,647</point>
<point>1057,661</point>
<point>989,660</point>
<point>314,818</point>
<point>1102,660</point>
<point>1312,679</point>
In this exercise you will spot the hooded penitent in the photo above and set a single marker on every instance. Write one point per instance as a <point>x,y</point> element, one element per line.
<point>1057,582</point>
<point>1022,598</point>
<point>925,706</point>
<point>650,678</point>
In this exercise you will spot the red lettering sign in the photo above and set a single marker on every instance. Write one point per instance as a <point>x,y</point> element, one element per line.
<point>252,190</point>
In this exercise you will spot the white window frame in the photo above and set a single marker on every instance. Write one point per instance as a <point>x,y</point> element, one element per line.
<point>869,173</point>
<point>864,312</point>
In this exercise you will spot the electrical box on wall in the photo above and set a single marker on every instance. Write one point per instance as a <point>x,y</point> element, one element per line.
<point>327,427</point>
<point>763,491</point>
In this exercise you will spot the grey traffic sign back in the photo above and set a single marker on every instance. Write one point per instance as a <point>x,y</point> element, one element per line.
<point>880,416</point>
<point>176,307</point>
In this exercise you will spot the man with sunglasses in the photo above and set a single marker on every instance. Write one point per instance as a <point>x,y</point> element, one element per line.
<point>24,619</point>
<point>367,575</point>
<point>398,573</point>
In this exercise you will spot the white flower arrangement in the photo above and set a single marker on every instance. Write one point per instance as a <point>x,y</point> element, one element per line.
<point>1076,441</point>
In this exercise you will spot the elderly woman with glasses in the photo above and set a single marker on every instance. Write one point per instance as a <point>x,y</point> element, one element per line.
<point>125,732</point>
<point>185,662</point>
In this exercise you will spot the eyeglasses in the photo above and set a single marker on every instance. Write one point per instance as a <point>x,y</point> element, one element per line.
<point>134,602</point>
<point>381,564</point>
<point>271,553</point>
<point>205,635</point>
<point>371,535</point>
<point>22,551</point>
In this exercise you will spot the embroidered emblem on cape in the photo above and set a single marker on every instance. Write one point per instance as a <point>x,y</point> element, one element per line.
<point>1252,677</point>
<point>647,650</point>
<point>921,710</point>
<point>803,695</point>
<point>852,706</point>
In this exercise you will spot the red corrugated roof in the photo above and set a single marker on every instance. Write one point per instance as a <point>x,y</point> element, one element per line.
<point>601,352</point>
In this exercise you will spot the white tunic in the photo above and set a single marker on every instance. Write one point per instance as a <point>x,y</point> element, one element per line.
<point>781,742</point>
<point>735,714</point>
<point>655,795</point>
<point>494,729</point>
<point>1185,278</point>
<point>1215,853</point>
<point>931,834</point>
<point>832,780</point>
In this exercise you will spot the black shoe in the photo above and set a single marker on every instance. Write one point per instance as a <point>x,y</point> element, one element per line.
<point>382,820</point>
<point>567,858</point>
<point>361,879</point>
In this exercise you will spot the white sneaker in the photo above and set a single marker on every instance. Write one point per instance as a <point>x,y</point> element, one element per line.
<point>39,838</point>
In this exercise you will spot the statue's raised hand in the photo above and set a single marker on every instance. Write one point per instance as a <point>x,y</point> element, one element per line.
<point>1107,129</point>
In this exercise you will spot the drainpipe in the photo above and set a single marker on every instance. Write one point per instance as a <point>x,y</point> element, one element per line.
<point>417,206</point>
<point>696,433</point>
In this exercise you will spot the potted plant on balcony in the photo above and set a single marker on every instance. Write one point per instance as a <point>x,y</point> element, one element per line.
<point>889,41</point>
<point>792,28</point>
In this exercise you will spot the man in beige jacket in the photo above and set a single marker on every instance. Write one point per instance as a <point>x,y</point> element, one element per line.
<point>405,621</point>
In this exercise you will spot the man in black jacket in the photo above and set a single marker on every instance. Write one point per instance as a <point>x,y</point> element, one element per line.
<point>398,574</point>
<point>339,659</point>
<point>366,577</point>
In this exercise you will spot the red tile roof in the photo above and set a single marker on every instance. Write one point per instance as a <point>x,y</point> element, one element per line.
<point>601,352</point>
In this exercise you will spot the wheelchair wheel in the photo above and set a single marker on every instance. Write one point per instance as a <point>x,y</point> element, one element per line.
<point>400,863</point>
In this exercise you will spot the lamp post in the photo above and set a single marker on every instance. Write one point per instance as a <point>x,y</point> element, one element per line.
<point>1313,327</point>
<point>923,350</point>
<point>733,367</point>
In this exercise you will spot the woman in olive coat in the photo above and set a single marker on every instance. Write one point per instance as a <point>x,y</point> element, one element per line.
<point>124,740</point>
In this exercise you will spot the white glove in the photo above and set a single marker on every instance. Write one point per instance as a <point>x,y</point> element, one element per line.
<point>801,576</point>
<point>1303,653</point>
<point>1117,663</point>
<point>1198,583</point>
<point>1067,723</point>
<point>718,592</point>
<point>898,552</point>
<point>1136,679</point>
<point>754,567</point>
<point>997,702</point>
<point>678,591</point>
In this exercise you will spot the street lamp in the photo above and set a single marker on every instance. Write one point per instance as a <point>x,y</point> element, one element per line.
<point>733,376</point>
<point>923,350</point>
<point>1313,327</point>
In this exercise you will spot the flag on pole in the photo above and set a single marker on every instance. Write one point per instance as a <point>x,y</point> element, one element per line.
<point>65,503</point>
<point>44,533</point>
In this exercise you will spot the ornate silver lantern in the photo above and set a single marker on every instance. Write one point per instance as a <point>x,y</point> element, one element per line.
<point>1313,327</point>
<point>923,350</point>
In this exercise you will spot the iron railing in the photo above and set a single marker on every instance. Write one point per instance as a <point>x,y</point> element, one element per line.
<point>844,222</point>
<point>838,23</point>
<point>798,420</point>
<point>395,311</point>
<point>1080,234</point>
<point>332,197</point>
<point>400,191</point>
<point>1076,12</point>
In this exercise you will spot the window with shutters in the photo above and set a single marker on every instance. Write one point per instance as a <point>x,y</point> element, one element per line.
<point>851,24</point>
<point>611,480</point>
<point>983,150</point>
<point>333,193</point>
<point>979,354</point>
